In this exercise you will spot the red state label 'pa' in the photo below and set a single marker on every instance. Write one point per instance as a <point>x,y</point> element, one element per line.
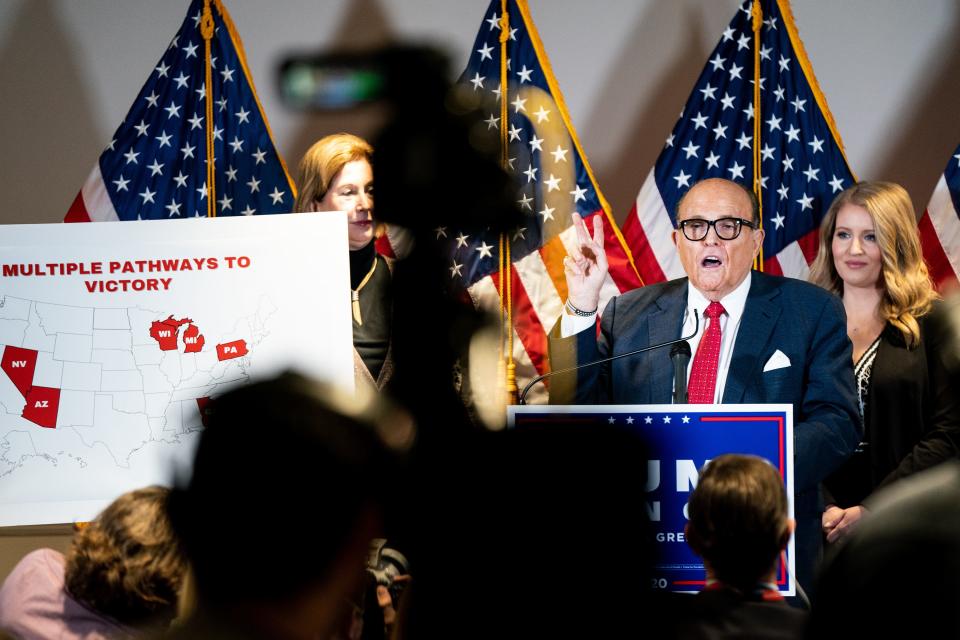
<point>41,407</point>
<point>19,365</point>
<point>230,350</point>
<point>192,339</point>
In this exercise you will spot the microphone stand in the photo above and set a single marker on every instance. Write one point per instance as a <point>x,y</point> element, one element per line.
<point>680,356</point>
<point>696,329</point>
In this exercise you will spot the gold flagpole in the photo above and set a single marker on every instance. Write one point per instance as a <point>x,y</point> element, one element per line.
<point>206,30</point>
<point>506,272</point>
<point>757,158</point>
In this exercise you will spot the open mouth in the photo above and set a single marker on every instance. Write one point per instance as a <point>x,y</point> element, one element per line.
<point>711,262</point>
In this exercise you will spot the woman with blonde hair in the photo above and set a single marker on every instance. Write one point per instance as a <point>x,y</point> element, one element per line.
<point>870,256</point>
<point>336,175</point>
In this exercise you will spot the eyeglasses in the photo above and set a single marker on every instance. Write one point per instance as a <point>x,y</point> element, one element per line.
<point>696,229</point>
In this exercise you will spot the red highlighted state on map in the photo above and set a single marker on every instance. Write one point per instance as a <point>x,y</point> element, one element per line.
<point>41,407</point>
<point>230,350</point>
<point>165,332</point>
<point>192,339</point>
<point>202,404</point>
<point>19,365</point>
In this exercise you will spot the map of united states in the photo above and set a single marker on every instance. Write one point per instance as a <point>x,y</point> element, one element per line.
<point>72,378</point>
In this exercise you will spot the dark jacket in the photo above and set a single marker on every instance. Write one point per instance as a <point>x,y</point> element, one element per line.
<point>727,615</point>
<point>912,414</point>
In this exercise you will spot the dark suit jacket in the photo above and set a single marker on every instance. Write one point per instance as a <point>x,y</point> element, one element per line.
<point>724,614</point>
<point>912,414</point>
<point>803,321</point>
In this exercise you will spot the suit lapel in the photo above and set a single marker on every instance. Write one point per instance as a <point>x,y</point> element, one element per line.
<point>760,315</point>
<point>665,324</point>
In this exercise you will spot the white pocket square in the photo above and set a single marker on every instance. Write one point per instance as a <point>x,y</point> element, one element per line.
<point>778,360</point>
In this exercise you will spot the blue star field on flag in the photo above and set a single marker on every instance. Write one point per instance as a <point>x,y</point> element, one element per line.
<point>802,163</point>
<point>155,165</point>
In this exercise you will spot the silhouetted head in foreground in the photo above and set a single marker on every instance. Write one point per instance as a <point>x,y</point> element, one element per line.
<point>898,576</point>
<point>286,492</point>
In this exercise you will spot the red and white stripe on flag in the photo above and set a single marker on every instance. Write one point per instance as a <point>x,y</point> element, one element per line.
<point>940,236</point>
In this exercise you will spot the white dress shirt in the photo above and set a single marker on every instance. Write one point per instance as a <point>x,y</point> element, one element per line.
<point>733,305</point>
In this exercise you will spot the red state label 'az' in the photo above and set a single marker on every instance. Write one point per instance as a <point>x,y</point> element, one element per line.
<point>41,407</point>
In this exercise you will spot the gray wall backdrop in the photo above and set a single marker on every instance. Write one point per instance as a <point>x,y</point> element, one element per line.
<point>69,70</point>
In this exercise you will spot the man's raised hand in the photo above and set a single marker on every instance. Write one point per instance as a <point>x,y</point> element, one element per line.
<point>586,267</point>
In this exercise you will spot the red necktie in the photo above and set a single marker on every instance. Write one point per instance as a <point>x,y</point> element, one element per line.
<point>703,373</point>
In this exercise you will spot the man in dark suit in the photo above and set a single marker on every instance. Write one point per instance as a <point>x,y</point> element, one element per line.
<point>762,339</point>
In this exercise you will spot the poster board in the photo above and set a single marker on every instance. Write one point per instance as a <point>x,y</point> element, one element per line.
<point>113,336</point>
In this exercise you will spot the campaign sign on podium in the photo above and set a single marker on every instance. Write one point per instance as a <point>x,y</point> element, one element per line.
<point>681,439</point>
<point>113,337</point>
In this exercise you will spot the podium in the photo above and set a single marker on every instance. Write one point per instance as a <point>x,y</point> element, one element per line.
<point>681,438</point>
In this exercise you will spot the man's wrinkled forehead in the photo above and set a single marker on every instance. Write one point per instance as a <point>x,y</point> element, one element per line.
<point>715,198</point>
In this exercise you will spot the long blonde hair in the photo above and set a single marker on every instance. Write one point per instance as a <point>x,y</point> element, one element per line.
<point>908,293</point>
<point>323,161</point>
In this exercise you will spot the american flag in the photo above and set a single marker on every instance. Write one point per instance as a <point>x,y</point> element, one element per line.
<point>155,165</point>
<point>802,161</point>
<point>940,228</point>
<point>553,181</point>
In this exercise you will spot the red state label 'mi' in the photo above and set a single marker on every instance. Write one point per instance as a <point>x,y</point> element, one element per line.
<point>42,405</point>
<point>19,365</point>
<point>193,340</point>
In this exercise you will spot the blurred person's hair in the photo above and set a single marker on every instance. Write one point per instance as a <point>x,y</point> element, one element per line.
<point>323,161</point>
<point>284,466</point>
<point>907,290</point>
<point>738,518</point>
<point>127,564</point>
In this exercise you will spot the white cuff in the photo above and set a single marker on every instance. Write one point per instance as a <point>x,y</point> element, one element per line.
<point>571,325</point>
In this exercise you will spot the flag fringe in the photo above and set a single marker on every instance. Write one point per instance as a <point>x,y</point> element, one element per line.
<point>207,27</point>
<point>787,13</point>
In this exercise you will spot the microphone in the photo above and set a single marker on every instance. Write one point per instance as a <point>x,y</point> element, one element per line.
<point>696,329</point>
<point>680,354</point>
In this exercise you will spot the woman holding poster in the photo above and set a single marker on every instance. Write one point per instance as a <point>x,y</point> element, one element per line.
<point>870,256</point>
<point>335,175</point>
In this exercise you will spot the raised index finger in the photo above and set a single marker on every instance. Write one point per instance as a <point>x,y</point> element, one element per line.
<point>583,236</point>
<point>598,230</point>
